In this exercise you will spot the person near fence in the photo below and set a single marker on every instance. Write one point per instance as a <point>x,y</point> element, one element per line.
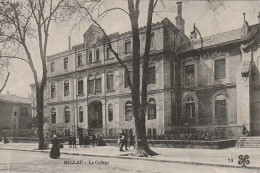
<point>86,141</point>
<point>55,149</point>
<point>5,139</point>
<point>122,140</point>
<point>74,142</point>
<point>70,141</point>
<point>93,140</point>
<point>131,140</point>
<point>81,140</point>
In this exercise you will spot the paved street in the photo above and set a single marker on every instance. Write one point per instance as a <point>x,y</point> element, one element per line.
<point>23,161</point>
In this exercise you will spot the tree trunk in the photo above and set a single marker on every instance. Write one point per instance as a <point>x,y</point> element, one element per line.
<point>40,103</point>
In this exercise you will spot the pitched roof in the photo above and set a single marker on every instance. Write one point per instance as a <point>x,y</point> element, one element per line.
<point>221,38</point>
<point>14,99</point>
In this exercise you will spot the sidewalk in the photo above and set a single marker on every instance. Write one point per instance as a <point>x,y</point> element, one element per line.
<point>224,157</point>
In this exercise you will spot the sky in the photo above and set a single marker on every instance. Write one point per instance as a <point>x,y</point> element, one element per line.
<point>228,17</point>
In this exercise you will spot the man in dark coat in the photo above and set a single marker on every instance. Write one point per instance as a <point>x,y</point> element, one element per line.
<point>86,140</point>
<point>81,139</point>
<point>74,142</point>
<point>122,139</point>
<point>70,141</point>
<point>5,139</point>
<point>55,149</point>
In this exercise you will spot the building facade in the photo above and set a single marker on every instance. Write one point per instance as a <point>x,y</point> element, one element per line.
<point>188,85</point>
<point>15,112</point>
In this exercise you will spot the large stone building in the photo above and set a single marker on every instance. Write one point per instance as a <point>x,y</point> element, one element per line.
<point>215,85</point>
<point>15,112</point>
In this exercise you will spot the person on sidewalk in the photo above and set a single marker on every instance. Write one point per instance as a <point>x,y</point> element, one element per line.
<point>5,140</point>
<point>55,149</point>
<point>122,140</point>
<point>126,141</point>
<point>93,140</point>
<point>74,142</point>
<point>132,140</point>
<point>81,140</point>
<point>70,141</point>
<point>86,141</point>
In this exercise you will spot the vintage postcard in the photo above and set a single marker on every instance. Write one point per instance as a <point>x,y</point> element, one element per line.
<point>152,86</point>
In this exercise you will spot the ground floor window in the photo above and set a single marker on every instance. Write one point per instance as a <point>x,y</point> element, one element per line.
<point>220,106</point>
<point>110,112</point>
<point>53,116</point>
<point>80,114</point>
<point>128,111</point>
<point>67,115</point>
<point>190,107</point>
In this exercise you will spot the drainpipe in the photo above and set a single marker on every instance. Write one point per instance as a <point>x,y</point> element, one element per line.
<point>105,88</point>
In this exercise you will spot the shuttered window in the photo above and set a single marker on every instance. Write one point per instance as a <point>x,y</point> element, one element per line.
<point>80,86</point>
<point>220,68</point>
<point>98,85</point>
<point>91,89</point>
<point>110,82</point>
<point>220,108</point>
<point>189,73</point>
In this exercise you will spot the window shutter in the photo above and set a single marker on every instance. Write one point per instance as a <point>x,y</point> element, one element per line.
<point>220,69</point>
<point>220,108</point>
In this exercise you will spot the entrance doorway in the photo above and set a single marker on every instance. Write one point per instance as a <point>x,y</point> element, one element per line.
<point>95,115</point>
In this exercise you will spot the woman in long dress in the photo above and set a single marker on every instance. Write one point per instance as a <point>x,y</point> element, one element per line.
<point>55,149</point>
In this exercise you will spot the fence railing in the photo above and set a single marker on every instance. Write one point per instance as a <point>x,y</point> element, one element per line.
<point>20,133</point>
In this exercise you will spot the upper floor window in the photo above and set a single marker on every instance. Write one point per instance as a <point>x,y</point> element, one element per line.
<point>67,115</point>
<point>52,66</point>
<point>53,90</point>
<point>190,107</point>
<point>80,60</point>
<point>128,111</point>
<point>98,86</point>
<point>53,116</point>
<point>189,73</point>
<point>220,68</point>
<point>151,111</point>
<point>66,61</point>
<point>127,46</point>
<point>80,114</point>
<point>107,53</point>
<point>90,60</point>
<point>131,78</point>
<point>110,112</point>
<point>80,86</point>
<point>91,82</point>
<point>97,55</point>
<point>110,81</point>
<point>66,88</point>
<point>24,111</point>
<point>220,106</point>
<point>151,75</point>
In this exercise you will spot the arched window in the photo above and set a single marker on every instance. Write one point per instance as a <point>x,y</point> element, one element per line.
<point>190,107</point>
<point>220,106</point>
<point>53,116</point>
<point>67,114</point>
<point>110,112</point>
<point>128,111</point>
<point>80,114</point>
<point>151,111</point>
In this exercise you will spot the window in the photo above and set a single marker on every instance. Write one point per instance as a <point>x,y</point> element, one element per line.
<point>80,86</point>
<point>189,73</point>
<point>80,114</point>
<point>53,90</point>
<point>98,86</point>
<point>66,61</point>
<point>127,46</point>
<point>108,52</point>
<point>90,60</point>
<point>128,111</point>
<point>220,106</point>
<point>66,88</point>
<point>131,78</point>
<point>151,111</point>
<point>220,68</point>
<point>151,75</point>
<point>24,111</point>
<point>149,133</point>
<point>110,81</point>
<point>110,112</point>
<point>91,82</point>
<point>52,66</point>
<point>67,115</point>
<point>190,107</point>
<point>154,132</point>
<point>97,55</point>
<point>53,116</point>
<point>15,114</point>
<point>80,63</point>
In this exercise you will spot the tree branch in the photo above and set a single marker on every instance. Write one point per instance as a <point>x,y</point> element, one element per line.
<point>5,82</point>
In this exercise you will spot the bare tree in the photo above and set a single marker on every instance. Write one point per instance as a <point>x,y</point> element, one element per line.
<point>20,23</point>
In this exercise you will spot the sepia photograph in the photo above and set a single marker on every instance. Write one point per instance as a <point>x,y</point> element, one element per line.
<point>150,86</point>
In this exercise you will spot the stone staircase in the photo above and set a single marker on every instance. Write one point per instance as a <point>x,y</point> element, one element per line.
<point>248,142</point>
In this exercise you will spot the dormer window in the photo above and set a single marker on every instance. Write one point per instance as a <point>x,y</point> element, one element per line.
<point>107,53</point>
<point>90,60</point>
<point>97,55</point>
<point>127,46</point>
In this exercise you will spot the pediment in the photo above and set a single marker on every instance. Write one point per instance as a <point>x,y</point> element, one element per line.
<point>92,35</point>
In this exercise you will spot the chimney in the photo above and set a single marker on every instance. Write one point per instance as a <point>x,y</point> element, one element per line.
<point>69,43</point>
<point>179,20</point>
<point>259,17</point>
<point>245,25</point>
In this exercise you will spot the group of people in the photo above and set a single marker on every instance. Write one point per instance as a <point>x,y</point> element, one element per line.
<point>5,139</point>
<point>86,140</point>
<point>123,140</point>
